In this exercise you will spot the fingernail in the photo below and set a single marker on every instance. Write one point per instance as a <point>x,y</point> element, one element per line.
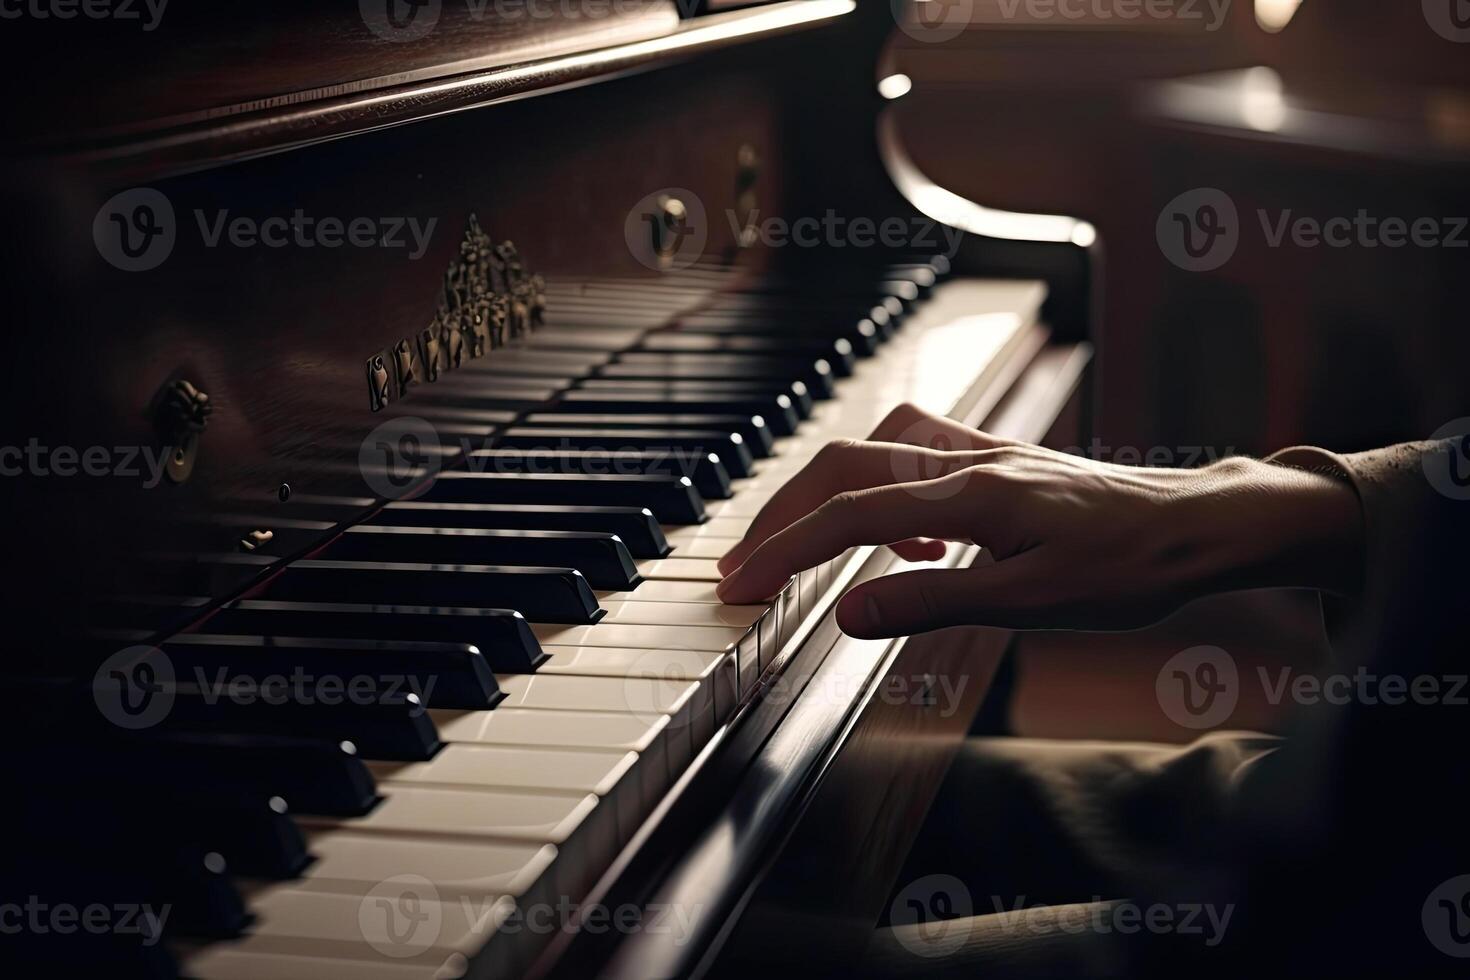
<point>726,583</point>
<point>728,562</point>
<point>870,607</point>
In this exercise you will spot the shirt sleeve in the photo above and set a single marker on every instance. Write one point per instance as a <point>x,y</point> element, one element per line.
<point>1393,486</point>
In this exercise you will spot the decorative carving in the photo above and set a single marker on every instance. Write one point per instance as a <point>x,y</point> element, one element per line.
<point>488,299</point>
<point>429,351</point>
<point>404,368</point>
<point>451,339</point>
<point>181,412</point>
<point>380,391</point>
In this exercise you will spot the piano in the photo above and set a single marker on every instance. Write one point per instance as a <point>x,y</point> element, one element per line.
<point>385,382</point>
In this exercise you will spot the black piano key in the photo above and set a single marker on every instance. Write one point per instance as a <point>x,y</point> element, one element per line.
<point>601,558</point>
<point>444,675</point>
<point>637,527</point>
<point>923,275</point>
<point>316,776</point>
<point>502,636</point>
<point>790,394</point>
<point>816,373</point>
<point>547,595</point>
<point>254,833</point>
<point>777,410</point>
<point>758,441</point>
<point>381,725</point>
<point>795,392</point>
<point>672,499</point>
<point>196,885</point>
<point>861,332</point>
<point>779,295</point>
<point>74,852</point>
<point>709,474</point>
<point>312,775</point>
<point>490,397</point>
<point>837,353</point>
<point>257,836</point>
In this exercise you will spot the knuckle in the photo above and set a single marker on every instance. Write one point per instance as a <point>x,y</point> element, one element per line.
<point>830,452</point>
<point>1004,455</point>
<point>906,412</point>
<point>841,503</point>
<point>840,447</point>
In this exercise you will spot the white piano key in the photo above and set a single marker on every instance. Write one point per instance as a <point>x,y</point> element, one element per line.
<point>746,505</point>
<point>689,704</point>
<point>712,548</point>
<point>653,613</point>
<point>716,527</point>
<point>571,729</point>
<point>743,643</point>
<point>584,833</point>
<point>401,920</point>
<point>688,569</point>
<point>766,619</point>
<point>663,590</point>
<point>615,777</point>
<point>642,635</point>
<point>715,670</point>
<point>352,863</point>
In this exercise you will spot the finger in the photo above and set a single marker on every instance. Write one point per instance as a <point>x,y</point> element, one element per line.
<point>919,549</point>
<point>841,467</point>
<point>911,425</point>
<point>877,516</point>
<point>1007,593</point>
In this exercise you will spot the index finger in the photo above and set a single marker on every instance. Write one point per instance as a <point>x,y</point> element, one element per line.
<point>840,467</point>
<point>877,516</point>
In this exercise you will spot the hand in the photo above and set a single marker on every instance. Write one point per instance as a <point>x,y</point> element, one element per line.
<point>1077,544</point>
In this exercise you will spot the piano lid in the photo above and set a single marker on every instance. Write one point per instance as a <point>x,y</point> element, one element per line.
<point>222,87</point>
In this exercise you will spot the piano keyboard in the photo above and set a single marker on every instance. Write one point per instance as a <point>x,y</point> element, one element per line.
<point>538,628</point>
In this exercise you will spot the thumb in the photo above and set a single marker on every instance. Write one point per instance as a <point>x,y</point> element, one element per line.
<point>1000,594</point>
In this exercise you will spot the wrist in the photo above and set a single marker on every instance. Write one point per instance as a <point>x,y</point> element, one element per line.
<point>1255,524</point>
